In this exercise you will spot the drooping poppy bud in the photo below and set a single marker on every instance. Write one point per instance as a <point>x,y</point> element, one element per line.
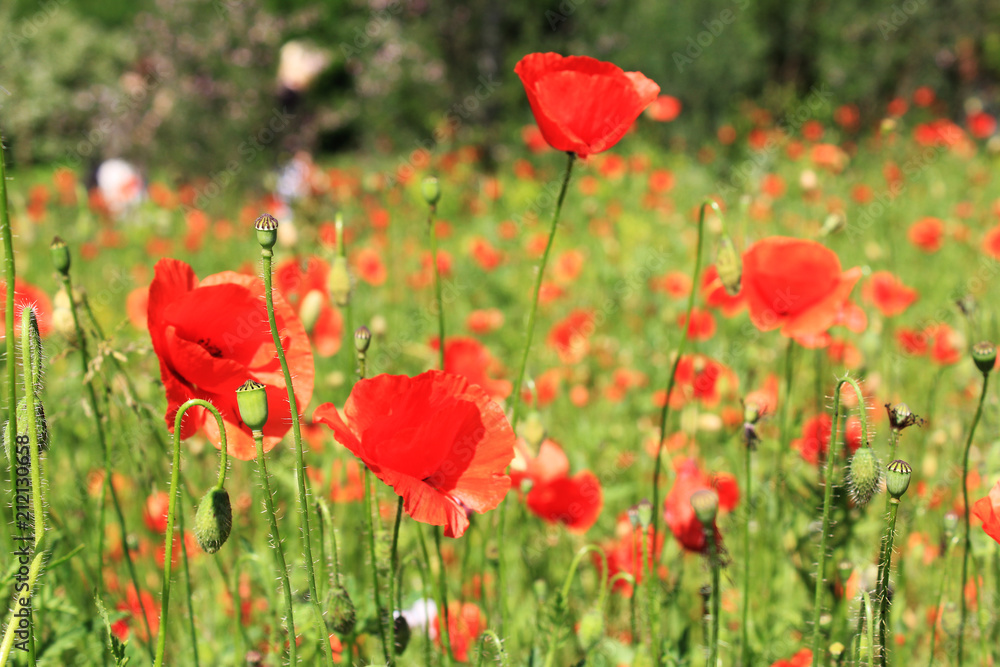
<point>342,614</point>
<point>728,266</point>
<point>213,520</point>
<point>864,475</point>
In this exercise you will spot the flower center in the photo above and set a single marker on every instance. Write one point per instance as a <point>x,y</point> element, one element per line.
<point>206,344</point>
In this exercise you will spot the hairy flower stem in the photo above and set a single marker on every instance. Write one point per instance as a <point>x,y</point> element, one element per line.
<point>831,459</point>
<point>168,540</point>
<point>681,346</point>
<point>106,455</point>
<point>300,466</point>
<point>937,601</point>
<point>279,552</point>
<point>438,303</point>
<point>516,393</point>
<point>380,613</point>
<point>441,597</point>
<point>882,592</point>
<point>967,540</point>
<point>745,611</point>
<point>713,561</point>
<point>8,255</point>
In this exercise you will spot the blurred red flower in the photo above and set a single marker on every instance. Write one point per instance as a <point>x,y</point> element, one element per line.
<point>926,234</point>
<point>702,325</point>
<point>555,496</point>
<point>678,512</point>
<point>888,293</point>
<point>134,608</point>
<point>583,105</point>
<point>664,108</point>
<point>154,513</point>
<point>625,554</point>
<point>465,623</point>
<point>210,338</point>
<point>571,336</point>
<point>801,659</point>
<point>472,360</point>
<point>794,284</point>
<point>302,281</point>
<point>988,511</point>
<point>26,294</point>
<point>815,440</point>
<point>436,439</point>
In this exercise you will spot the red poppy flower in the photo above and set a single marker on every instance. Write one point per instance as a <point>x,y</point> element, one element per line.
<point>801,659</point>
<point>991,242</point>
<point>698,378</point>
<point>465,623</point>
<point>154,514</point>
<point>815,440</point>
<point>583,105</point>
<point>555,496</point>
<point>436,439</point>
<point>988,511</point>
<point>946,348</point>
<point>981,124</point>
<point>664,108</point>
<point>912,341</point>
<point>678,512</point>
<point>134,610</point>
<point>484,321</point>
<point>470,359</point>
<point>570,337</point>
<point>625,554</point>
<point>213,336</point>
<point>926,234</point>
<point>26,294</point>
<point>369,266</point>
<point>301,281</point>
<point>794,284</point>
<point>888,293</point>
<point>702,325</point>
<point>716,296</point>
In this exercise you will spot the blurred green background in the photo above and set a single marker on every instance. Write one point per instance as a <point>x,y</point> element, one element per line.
<point>179,85</point>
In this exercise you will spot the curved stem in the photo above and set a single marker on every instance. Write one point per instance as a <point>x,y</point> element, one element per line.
<point>681,347</point>
<point>831,459</point>
<point>168,540</point>
<point>279,553</point>
<point>303,504</point>
<point>106,455</point>
<point>516,393</point>
<point>967,542</point>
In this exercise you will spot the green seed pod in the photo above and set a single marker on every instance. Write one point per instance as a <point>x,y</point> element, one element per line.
<point>643,514</point>
<point>213,520</point>
<point>591,629</point>
<point>897,477</point>
<point>60,255</point>
<point>431,190</point>
<point>342,614</point>
<point>864,476</point>
<point>985,355</point>
<point>309,309</point>
<point>338,281</point>
<point>727,264</point>
<point>267,231</point>
<point>251,399</point>
<point>706,506</point>
<point>362,339</point>
<point>401,628</point>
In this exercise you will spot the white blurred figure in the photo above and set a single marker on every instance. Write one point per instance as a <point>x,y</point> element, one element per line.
<point>121,186</point>
<point>299,64</point>
<point>421,614</point>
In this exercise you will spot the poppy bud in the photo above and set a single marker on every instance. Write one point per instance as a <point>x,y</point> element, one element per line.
<point>706,506</point>
<point>213,521</point>
<point>60,255</point>
<point>251,399</point>
<point>342,614</point>
<point>401,630</point>
<point>338,281</point>
<point>267,231</point>
<point>591,629</point>
<point>309,309</point>
<point>29,324</point>
<point>864,475</point>
<point>41,427</point>
<point>897,478</point>
<point>431,190</point>
<point>643,513</point>
<point>362,339</point>
<point>985,355</point>
<point>727,264</point>
<point>834,223</point>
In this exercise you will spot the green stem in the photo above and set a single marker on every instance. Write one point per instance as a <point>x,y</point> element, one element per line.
<point>437,282</point>
<point>187,588</point>
<point>967,541</point>
<point>564,592</point>
<point>882,592</point>
<point>379,609</point>
<point>681,347</point>
<point>8,252</point>
<point>516,394</point>
<point>106,455</point>
<point>831,459</point>
<point>394,565</point>
<point>303,504</point>
<point>745,611</point>
<point>937,603</point>
<point>168,540</point>
<point>870,618</point>
<point>443,592</point>
<point>785,409</point>
<point>279,553</point>
<point>713,647</point>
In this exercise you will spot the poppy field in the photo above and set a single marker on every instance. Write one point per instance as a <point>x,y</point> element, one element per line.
<point>603,402</point>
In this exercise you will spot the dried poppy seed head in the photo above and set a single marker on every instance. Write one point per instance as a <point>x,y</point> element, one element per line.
<point>267,230</point>
<point>706,506</point>
<point>362,339</point>
<point>213,521</point>
<point>864,475</point>
<point>897,478</point>
<point>60,255</point>
<point>985,355</point>
<point>431,190</point>
<point>251,399</point>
